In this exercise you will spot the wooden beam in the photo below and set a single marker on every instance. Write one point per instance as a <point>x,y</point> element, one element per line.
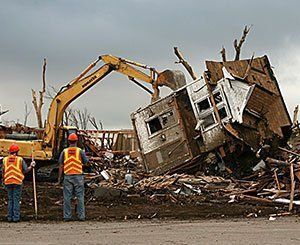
<point>292,187</point>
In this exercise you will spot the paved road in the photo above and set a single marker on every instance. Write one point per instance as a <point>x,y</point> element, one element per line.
<point>241,231</point>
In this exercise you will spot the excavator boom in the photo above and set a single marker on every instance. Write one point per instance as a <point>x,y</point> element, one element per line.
<point>47,148</point>
<point>83,82</point>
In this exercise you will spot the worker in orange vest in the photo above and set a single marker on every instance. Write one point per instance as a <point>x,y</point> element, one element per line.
<point>71,162</point>
<point>13,170</point>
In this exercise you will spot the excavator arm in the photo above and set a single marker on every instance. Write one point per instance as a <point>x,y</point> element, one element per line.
<point>83,82</point>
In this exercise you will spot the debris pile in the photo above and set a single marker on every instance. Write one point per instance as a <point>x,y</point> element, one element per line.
<point>277,181</point>
<point>272,182</point>
<point>110,170</point>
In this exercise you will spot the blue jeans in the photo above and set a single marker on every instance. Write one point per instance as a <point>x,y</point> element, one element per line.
<point>74,185</point>
<point>14,198</point>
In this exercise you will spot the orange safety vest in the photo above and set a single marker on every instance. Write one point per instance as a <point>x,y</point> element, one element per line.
<point>13,170</point>
<point>72,161</point>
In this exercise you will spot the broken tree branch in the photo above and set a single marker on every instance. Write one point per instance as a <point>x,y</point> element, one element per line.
<point>223,53</point>
<point>295,117</point>
<point>39,104</point>
<point>3,112</point>
<point>184,63</point>
<point>26,113</point>
<point>238,46</point>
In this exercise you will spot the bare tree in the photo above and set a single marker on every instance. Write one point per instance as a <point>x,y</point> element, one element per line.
<point>38,104</point>
<point>73,120</point>
<point>51,92</point>
<point>238,46</point>
<point>94,123</point>
<point>84,118</point>
<point>74,117</point>
<point>2,113</point>
<point>184,63</point>
<point>67,116</point>
<point>79,118</point>
<point>26,113</point>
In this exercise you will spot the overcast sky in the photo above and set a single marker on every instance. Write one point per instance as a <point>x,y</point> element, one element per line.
<point>72,33</point>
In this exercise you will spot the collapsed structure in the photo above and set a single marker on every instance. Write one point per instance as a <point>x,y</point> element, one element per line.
<point>235,110</point>
<point>236,107</point>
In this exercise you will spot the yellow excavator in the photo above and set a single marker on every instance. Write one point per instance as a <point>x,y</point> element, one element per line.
<point>48,147</point>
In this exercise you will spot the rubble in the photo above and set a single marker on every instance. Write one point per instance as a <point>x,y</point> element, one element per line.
<point>270,184</point>
<point>275,183</point>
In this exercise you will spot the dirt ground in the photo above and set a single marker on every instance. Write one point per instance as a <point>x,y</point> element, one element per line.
<point>226,231</point>
<point>142,220</point>
<point>130,208</point>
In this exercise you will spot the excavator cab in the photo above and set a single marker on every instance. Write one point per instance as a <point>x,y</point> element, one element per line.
<point>49,172</point>
<point>63,143</point>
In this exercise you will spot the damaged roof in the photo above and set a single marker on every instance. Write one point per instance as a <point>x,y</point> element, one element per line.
<point>268,98</point>
<point>259,72</point>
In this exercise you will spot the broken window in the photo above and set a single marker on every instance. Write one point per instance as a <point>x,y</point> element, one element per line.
<point>206,110</point>
<point>167,119</point>
<point>160,122</point>
<point>218,97</point>
<point>203,105</point>
<point>154,125</point>
<point>208,121</point>
<point>222,113</point>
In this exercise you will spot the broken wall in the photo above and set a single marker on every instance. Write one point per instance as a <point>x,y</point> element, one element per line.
<point>161,130</point>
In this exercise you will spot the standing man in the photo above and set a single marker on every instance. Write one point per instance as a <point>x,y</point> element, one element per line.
<point>71,161</point>
<point>13,170</point>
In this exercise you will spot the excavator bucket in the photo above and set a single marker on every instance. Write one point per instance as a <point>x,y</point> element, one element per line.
<point>173,79</point>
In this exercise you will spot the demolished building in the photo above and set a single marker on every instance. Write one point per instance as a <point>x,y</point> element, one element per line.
<point>236,106</point>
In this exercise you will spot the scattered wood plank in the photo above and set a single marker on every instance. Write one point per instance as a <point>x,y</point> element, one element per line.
<point>288,151</point>
<point>256,199</point>
<point>276,180</point>
<point>292,187</point>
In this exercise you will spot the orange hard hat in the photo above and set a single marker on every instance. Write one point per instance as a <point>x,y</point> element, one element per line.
<point>14,148</point>
<point>73,137</point>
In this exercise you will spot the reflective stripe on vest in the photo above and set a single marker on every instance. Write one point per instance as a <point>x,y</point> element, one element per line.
<point>72,161</point>
<point>13,170</point>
